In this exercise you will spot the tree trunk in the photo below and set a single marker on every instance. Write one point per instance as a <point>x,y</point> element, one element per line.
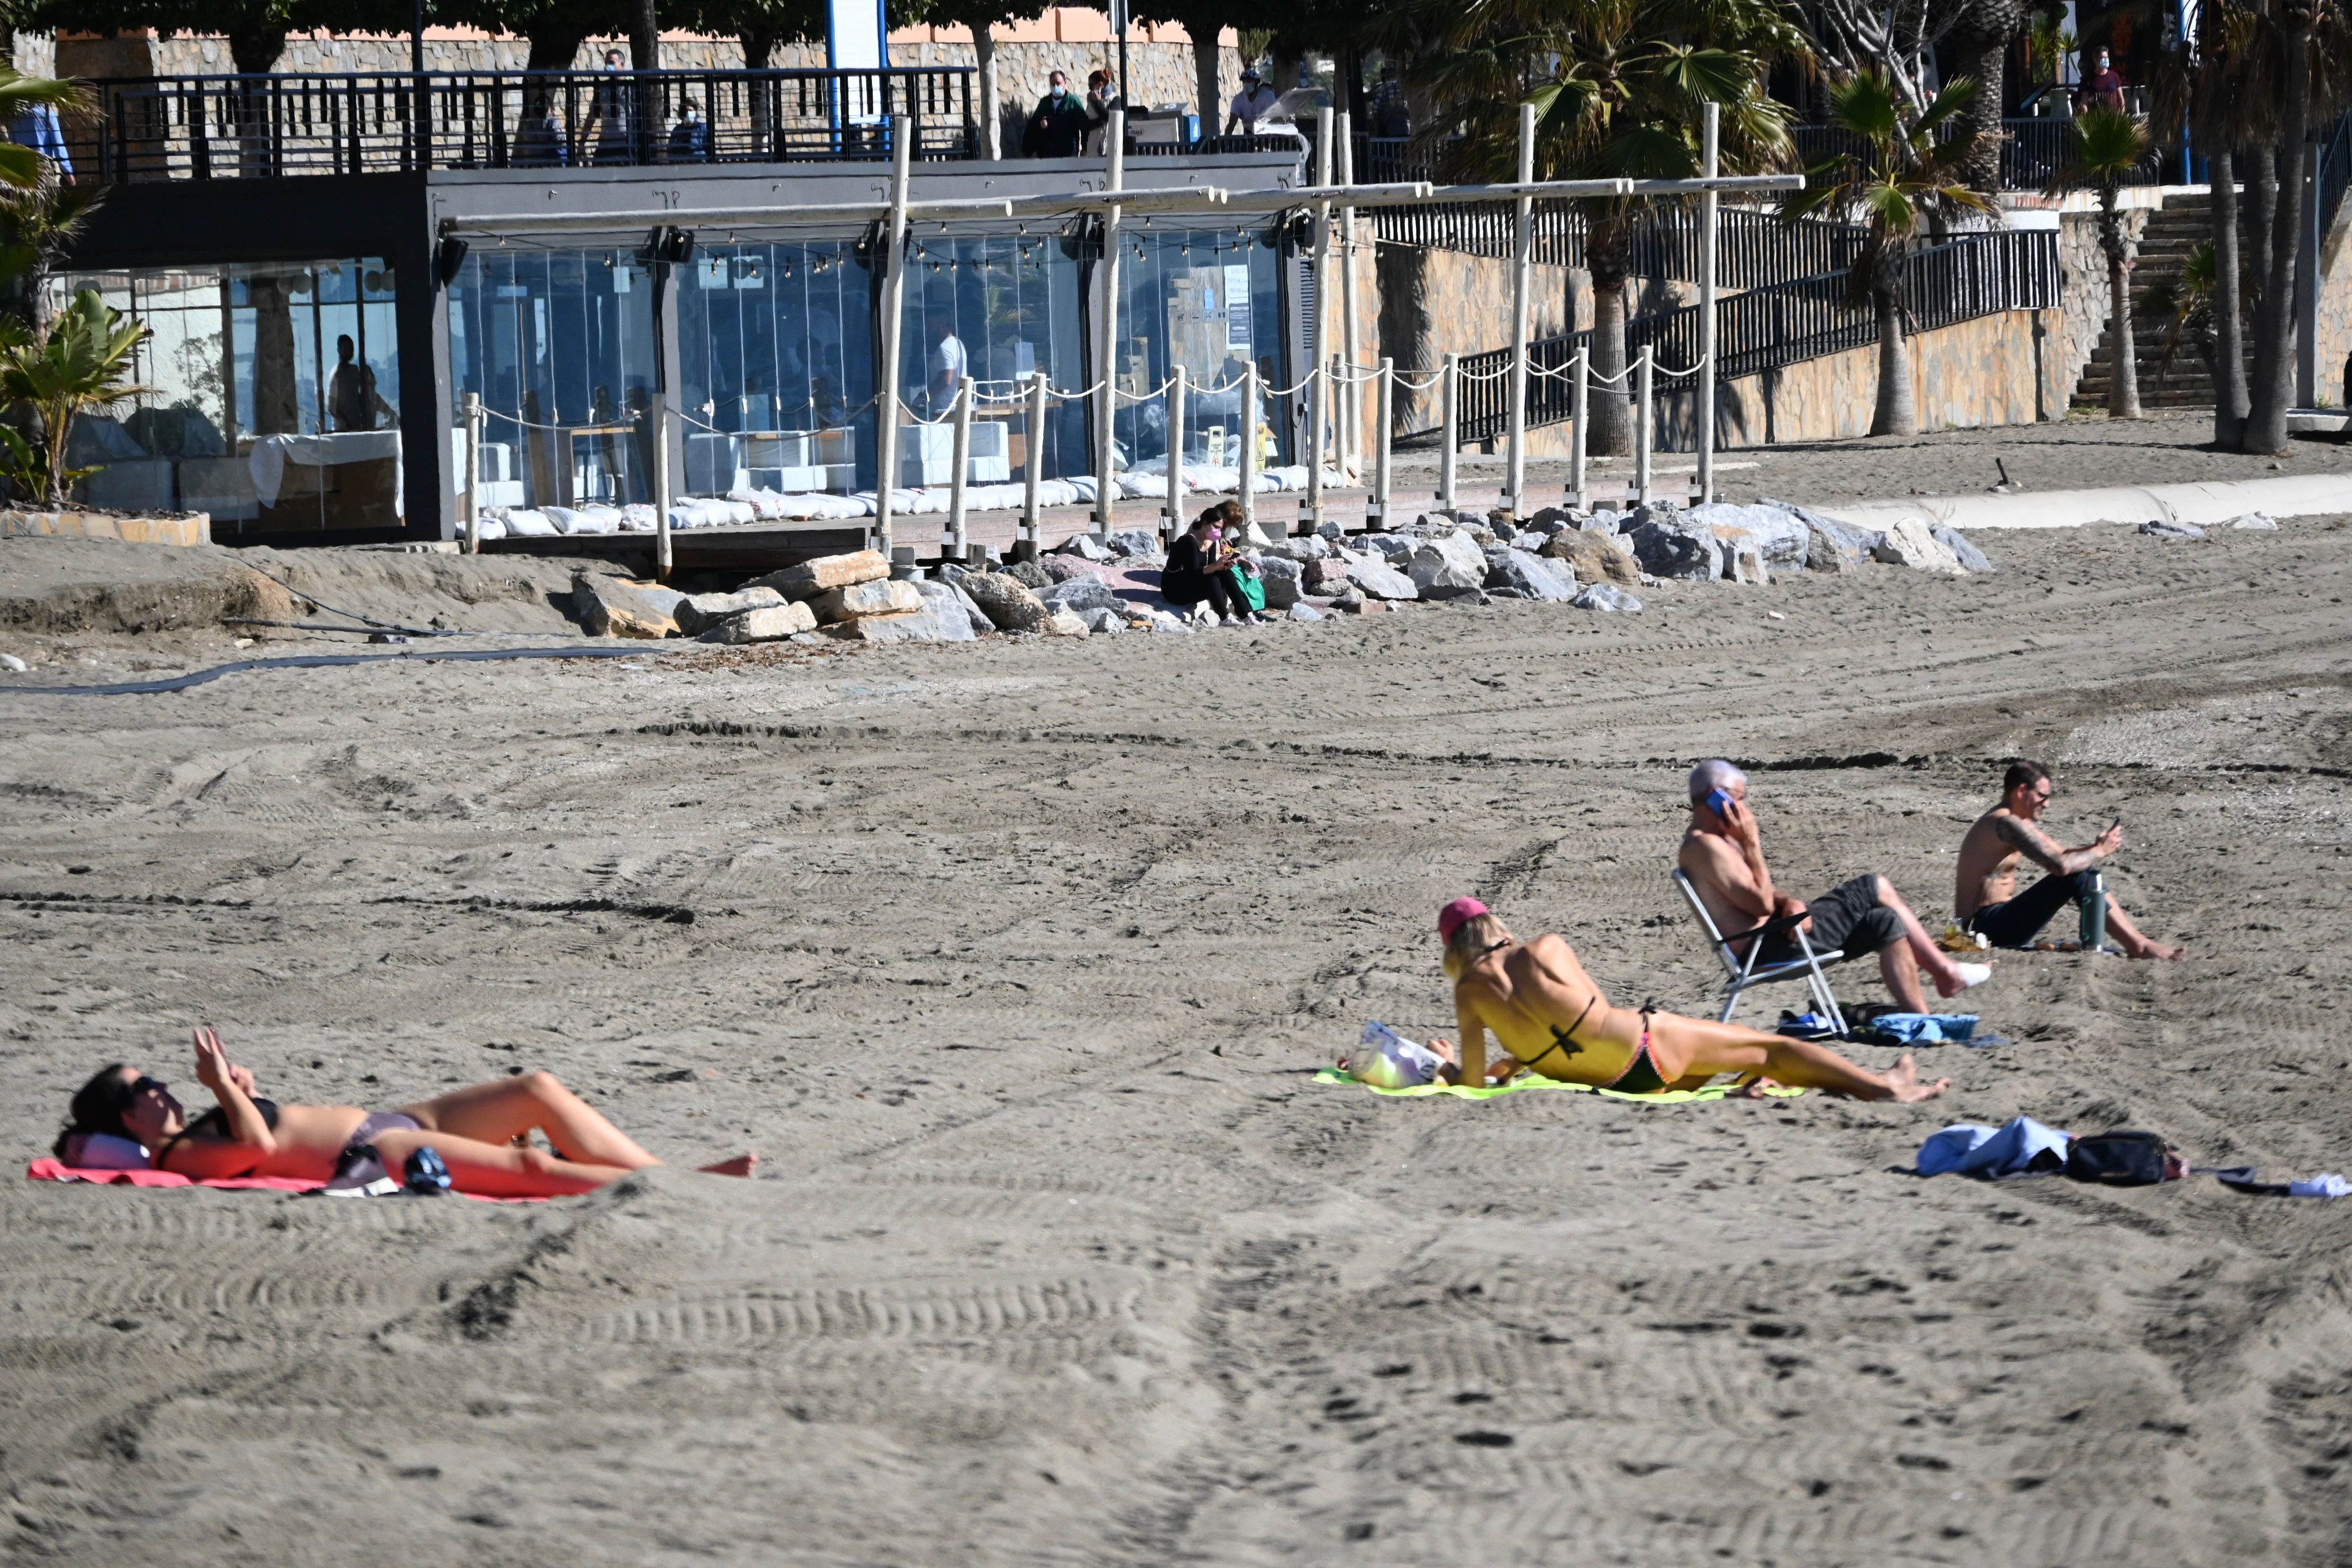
<point>645,55</point>
<point>2271,392</point>
<point>1208,80</point>
<point>1979,47</point>
<point>1286,62</point>
<point>759,49</point>
<point>992,95</point>
<point>1606,248</point>
<point>2123,379</point>
<point>254,50</point>
<point>1898,413</point>
<point>555,48</point>
<point>2229,346</point>
<point>2254,246</point>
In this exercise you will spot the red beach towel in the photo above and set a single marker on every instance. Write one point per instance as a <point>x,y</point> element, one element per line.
<point>50,1169</point>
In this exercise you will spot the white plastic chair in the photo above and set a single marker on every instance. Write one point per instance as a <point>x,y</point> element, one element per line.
<point>1740,972</point>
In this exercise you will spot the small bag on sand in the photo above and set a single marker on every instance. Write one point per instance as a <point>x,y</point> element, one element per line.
<point>2124,1158</point>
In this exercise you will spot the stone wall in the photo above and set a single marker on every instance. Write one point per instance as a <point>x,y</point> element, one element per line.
<point>2084,301</point>
<point>2331,374</point>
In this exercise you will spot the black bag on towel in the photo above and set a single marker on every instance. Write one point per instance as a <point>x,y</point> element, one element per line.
<point>2123,1159</point>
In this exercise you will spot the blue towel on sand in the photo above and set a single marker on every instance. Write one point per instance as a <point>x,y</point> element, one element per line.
<point>2022,1148</point>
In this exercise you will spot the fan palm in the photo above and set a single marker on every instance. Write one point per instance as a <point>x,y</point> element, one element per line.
<point>1897,174</point>
<point>2104,146</point>
<point>1619,86</point>
<point>82,362</point>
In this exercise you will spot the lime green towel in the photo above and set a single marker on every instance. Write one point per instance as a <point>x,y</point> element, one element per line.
<point>1537,1081</point>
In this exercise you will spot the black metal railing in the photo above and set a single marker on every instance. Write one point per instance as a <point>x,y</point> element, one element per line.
<point>2031,151</point>
<point>1779,325</point>
<point>1753,250</point>
<point>231,126</point>
<point>2335,174</point>
<point>1214,145</point>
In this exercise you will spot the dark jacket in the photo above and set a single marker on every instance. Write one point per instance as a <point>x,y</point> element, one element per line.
<point>1057,130</point>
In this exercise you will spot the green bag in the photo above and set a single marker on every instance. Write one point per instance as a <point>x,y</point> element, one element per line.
<point>1247,585</point>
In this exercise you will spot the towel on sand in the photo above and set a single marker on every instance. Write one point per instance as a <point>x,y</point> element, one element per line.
<point>1537,1081</point>
<point>49,1169</point>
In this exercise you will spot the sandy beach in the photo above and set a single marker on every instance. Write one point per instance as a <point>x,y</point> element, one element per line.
<point>1016,961</point>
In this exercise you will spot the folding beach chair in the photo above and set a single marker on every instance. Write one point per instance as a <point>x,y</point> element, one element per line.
<point>1741,973</point>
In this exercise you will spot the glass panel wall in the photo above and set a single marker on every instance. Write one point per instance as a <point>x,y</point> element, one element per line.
<point>273,399</point>
<point>1208,299</point>
<point>997,308</point>
<point>776,362</point>
<point>561,347</point>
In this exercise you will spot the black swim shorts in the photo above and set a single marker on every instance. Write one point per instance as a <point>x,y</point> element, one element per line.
<point>1848,919</point>
<point>2015,922</point>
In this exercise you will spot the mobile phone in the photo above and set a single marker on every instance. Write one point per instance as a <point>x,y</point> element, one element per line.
<point>1719,801</point>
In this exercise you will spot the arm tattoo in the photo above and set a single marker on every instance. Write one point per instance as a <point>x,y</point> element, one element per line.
<point>2040,847</point>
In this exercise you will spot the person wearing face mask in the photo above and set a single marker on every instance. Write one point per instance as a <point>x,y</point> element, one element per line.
<point>611,113</point>
<point>689,138</point>
<point>1102,97</point>
<point>1058,127</point>
<point>1200,567</point>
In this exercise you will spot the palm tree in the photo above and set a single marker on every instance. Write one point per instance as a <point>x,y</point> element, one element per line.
<point>1619,86</point>
<point>1898,175</point>
<point>2104,146</point>
<point>82,362</point>
<point>36,227</point>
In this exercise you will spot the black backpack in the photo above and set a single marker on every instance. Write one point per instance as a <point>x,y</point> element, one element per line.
<point>2123,1159</point>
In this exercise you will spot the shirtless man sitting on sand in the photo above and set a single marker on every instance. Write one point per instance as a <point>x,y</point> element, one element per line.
<point>479,1133</point>
<point>1723,856</point>
<point>1986,897</point>
<point>1551,1017</point>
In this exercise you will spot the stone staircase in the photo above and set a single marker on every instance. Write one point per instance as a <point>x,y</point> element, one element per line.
<point>2179,227</point>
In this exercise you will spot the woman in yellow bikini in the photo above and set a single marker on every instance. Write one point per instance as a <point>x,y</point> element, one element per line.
<point>1551,1019</point>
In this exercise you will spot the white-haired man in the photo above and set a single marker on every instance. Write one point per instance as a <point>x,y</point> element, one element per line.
<point>1723,854</point>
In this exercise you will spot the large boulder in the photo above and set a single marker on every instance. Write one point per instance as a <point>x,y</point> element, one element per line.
<point>1780,535</point>
<point>1135,543</point>
<point>1963,549</point>
<point>1326,574</point>
<point>1447,560</point>
<point>1394,549</point>
<point>1005,600</point>
<point>948,608</point>
<point>1086,547</point>
<point>1065,624</point>
<point>1377,582</point>
<point>1831,544</point>
<point>912,625</point>
<point>1284,581</point>
<point>620,607</point>
<point>1673,552</point>
<point>1102,622</point>
<point>1907,542</point>
<point>1080,594</point>
<point>1062,568</point>
<point>1743,556</point>
<point>1307,547</point>
<point>698,612</point>
<point>1029,574</point>
<point>811,578</point>
<point>885,598</point>
<point>1516,574</point>
<point>1596,557</point>
<point>766,623</point>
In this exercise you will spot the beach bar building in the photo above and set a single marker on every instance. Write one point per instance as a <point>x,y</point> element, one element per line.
<point>336,269</point>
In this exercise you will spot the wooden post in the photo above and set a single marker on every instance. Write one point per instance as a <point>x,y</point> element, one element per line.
<point>1449,403</point>
<point>1384,411</point>
<point>1710,217</point>
<point>1033,473</point>
<point>1522,269</point>
<point>1577,496</point>
<point>1113,179</point>
<point>1351,405</point>
<point>657,415</point>
<point>473,472</point>
<point>1249,446</point>
<point>894,298</point>
<point>1318,379</point>
<point>1173,505</point>
<point>1642,430</point>
<point>960,479</point>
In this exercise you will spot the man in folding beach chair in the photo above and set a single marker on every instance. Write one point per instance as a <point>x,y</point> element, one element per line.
<point>1723,854</point>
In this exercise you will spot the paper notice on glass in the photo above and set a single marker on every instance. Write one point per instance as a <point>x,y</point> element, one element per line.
<point>1237,307</point>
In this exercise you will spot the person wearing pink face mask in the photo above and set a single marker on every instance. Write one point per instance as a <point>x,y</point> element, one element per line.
<point>1200,567</point>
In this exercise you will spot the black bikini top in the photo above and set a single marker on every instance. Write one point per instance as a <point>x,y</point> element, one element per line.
<point>213,1123</point>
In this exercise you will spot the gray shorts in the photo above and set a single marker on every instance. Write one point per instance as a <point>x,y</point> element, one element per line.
<point>1848,919</point>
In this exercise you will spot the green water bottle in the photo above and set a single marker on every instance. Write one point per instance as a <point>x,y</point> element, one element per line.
<point>2095,913</point>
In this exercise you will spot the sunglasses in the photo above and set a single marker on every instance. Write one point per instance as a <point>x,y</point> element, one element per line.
<point>141,1084</point>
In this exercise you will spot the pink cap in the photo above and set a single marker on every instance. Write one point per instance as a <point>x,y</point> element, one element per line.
<point>1452,917</point>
